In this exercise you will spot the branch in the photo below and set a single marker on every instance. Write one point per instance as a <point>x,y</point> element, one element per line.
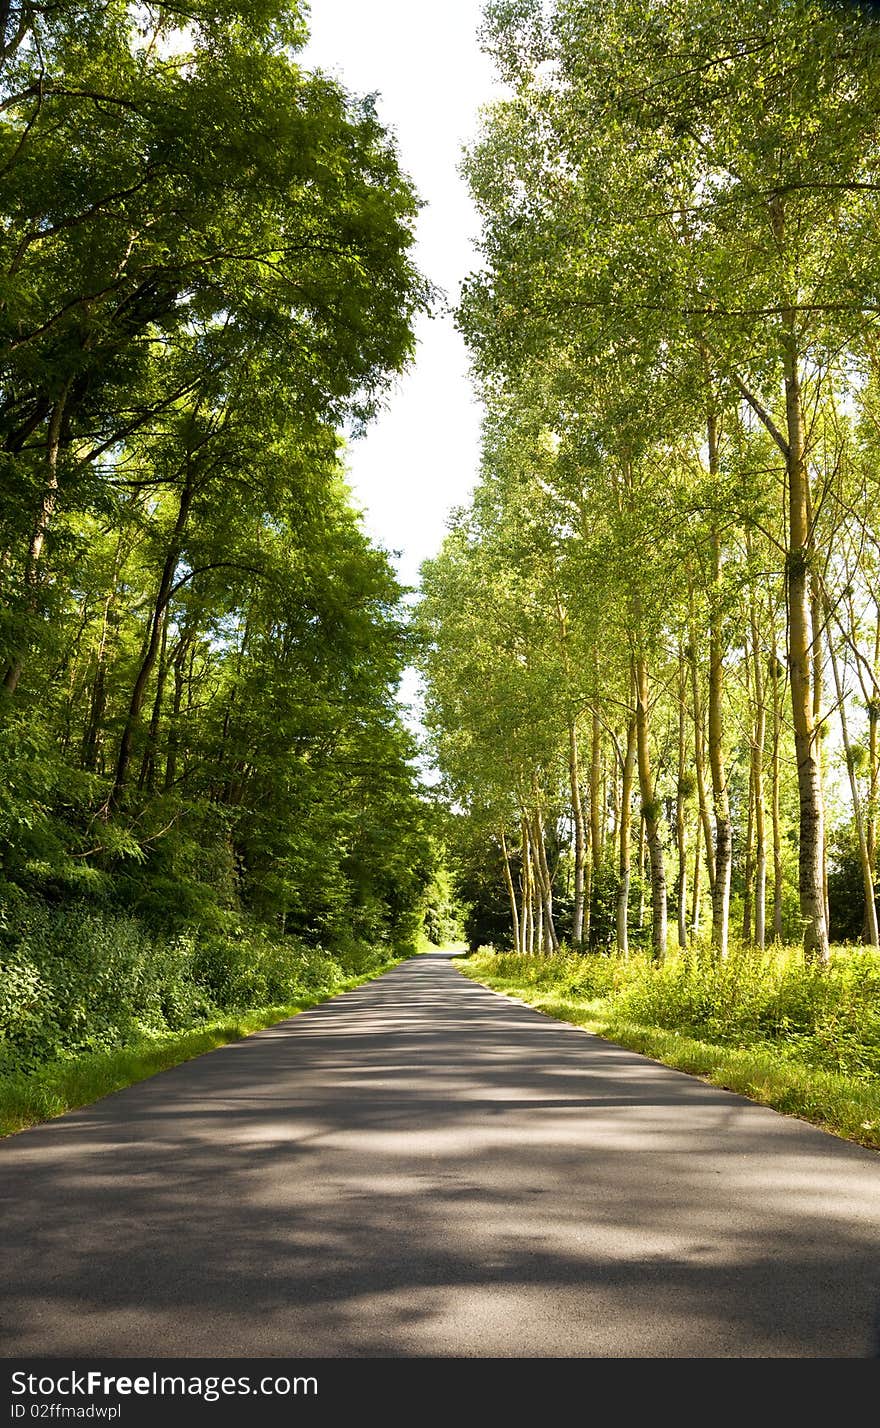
<point>213,565</point>
<point>762,413</point>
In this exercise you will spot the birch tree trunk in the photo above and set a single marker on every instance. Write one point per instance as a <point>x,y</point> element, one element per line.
<point>641,866</point>
<point>817,646</point>
<point>776,704</point>
<point>625,841</point>
<point>680,806</point>
<point>650,812</point>
<point>527,925</point>
<point>580,851</point>
<point>717,761</point>
<point>596,795</point>
<point>872,704</point>
<point>864,860</point>
<point>758,741</point>
<point>511,892</point>
<point>699,755</point>
<point>696,886</point>
<point>545,884</point>
<point>871,813</point>
<point>811,848</point>
<point>749,868</point>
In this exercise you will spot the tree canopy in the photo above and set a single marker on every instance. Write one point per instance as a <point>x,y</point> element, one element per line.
<point>673,327</point>
<point>207,278</point>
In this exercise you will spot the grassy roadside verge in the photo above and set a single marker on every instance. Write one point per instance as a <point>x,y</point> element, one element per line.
<point>29,1099</point>
<point>770,1075</point>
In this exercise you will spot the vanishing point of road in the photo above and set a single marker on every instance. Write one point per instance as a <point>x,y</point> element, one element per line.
<point>421,1167</point>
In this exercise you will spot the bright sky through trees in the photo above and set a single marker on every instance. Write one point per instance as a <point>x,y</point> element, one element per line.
<point>420,458</point>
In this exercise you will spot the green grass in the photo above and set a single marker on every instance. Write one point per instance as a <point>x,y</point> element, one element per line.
<point>30,1098</point>
<point>769,1072</point>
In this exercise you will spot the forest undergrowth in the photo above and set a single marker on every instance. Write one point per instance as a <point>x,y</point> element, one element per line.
<point>800,1037</point>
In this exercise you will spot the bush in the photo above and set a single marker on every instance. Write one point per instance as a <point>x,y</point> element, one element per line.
<point>74,980</point>
<point>826,1017</point>
<point>248,969</point>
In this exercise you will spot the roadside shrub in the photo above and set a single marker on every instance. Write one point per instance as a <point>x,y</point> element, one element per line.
<point>826,1017</point>
<point>74,979</point>
<point>246,969</point>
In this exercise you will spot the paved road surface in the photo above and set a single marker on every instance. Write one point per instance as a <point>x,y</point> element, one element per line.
<point>422,1167</point>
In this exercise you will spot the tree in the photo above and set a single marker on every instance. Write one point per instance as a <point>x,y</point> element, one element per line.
<point>699,229</point>
<point>207,275</point>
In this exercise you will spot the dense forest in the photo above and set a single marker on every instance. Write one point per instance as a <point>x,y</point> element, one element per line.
<point>652,640</point>
<point>207,793</point>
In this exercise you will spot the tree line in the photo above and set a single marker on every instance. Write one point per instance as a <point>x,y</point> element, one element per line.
<point>652,640</point>
<point>206,278</point>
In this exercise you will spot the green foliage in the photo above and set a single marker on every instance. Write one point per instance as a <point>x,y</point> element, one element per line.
<point>824,1017</point>
<point>249,970</point>
<point>568,972</point>
<point>27,1098</point>
<point>441,910</point>
<point>789,1072</point>
<point>207,794</point>
<point>673,330</point>
<point>846,896</point>
<point>476,885</point>
<point>74,980</point>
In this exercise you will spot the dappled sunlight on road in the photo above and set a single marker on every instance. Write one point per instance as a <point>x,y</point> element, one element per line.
<point>421,1166</point>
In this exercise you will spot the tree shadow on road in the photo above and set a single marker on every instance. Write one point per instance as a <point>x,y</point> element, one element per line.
<point>420,1167</point>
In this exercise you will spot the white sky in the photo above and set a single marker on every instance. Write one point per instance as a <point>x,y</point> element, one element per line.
<point>420,458</point>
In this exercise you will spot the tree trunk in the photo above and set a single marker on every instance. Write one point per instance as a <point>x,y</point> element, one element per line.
<point>758,740</point>
<point>588,887</point>
<point>596,794</point>
<point>864,860</point>
<point>775,670</point>
<point>703,825</point>
<point>651,813</point>
<point>580,850</point>
<point>126,742</point>
<point>696,888</point>
<point>871,815</point>
<point>48,502</point>
<point>749,861</point>
<point>531,899</point>
<point>680,808</point>
<point>625,842</point>
<point>873,710</point>
<point>148,763</point>
<point>527,932</point>
<point>817,671</point>
<point>699,759</point>
<point>511,893</point>
<point>545,884</point>
<point>811,869</point>
<point>720,801</point>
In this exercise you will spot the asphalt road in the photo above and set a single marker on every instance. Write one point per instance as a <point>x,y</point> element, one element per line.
<point>423,1167</point>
